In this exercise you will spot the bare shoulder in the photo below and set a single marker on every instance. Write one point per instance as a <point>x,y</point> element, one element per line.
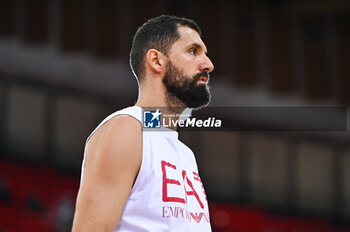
<point>125,124</point>
<point>121,129</point>
<point>112,162</point>
<point>116,145</point>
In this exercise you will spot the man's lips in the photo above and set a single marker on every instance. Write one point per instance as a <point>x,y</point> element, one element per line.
<point>203,79</point>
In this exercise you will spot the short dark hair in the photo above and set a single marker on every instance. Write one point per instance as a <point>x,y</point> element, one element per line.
<point>159,33</point>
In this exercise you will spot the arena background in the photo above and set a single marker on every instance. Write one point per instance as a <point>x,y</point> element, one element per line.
<point>64,67</point>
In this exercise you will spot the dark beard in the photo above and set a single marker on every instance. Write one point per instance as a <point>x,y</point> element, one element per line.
<point>186,88</point>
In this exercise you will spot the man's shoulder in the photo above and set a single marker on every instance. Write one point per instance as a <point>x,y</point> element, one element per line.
<point>122,125</point>
<point>125,115</point>
<point>126,118</point>
<point>119,138</point>
<point>123,120</point>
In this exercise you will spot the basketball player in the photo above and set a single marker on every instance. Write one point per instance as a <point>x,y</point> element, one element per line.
<point>137,180</point>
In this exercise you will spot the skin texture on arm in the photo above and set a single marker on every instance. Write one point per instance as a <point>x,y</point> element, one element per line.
<point>112,162</point>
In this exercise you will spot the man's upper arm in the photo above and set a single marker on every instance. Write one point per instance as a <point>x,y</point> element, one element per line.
<point>113,158</point>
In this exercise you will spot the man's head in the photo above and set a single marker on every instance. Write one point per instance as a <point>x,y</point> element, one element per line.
<point>186,66</point>
<point>158,33</point>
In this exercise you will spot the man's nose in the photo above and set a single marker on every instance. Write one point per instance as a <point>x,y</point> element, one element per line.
<point>206,65</point>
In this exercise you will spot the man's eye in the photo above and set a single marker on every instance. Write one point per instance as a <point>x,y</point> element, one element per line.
<point>193,51</point>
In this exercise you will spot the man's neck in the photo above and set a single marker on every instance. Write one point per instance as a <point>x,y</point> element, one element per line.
<point>153,96</point>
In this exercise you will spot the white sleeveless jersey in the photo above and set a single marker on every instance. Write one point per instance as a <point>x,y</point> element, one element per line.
<point>168,194</point>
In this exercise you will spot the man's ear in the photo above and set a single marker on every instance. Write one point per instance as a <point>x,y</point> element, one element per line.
<point>155,60</point>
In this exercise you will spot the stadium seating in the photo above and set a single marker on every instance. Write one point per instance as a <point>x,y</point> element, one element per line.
<point>48,185</point>
<point>40,182</point>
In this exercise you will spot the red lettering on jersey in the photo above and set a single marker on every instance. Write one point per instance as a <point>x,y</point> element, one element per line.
<point>167,181</point>
<point>197,178</point>
<point>166,213</point>
<point>197,217</point>
<point>206,219</point>
<point>193,192</point>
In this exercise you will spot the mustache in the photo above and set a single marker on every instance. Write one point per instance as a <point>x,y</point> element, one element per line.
<point>199,75</point>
